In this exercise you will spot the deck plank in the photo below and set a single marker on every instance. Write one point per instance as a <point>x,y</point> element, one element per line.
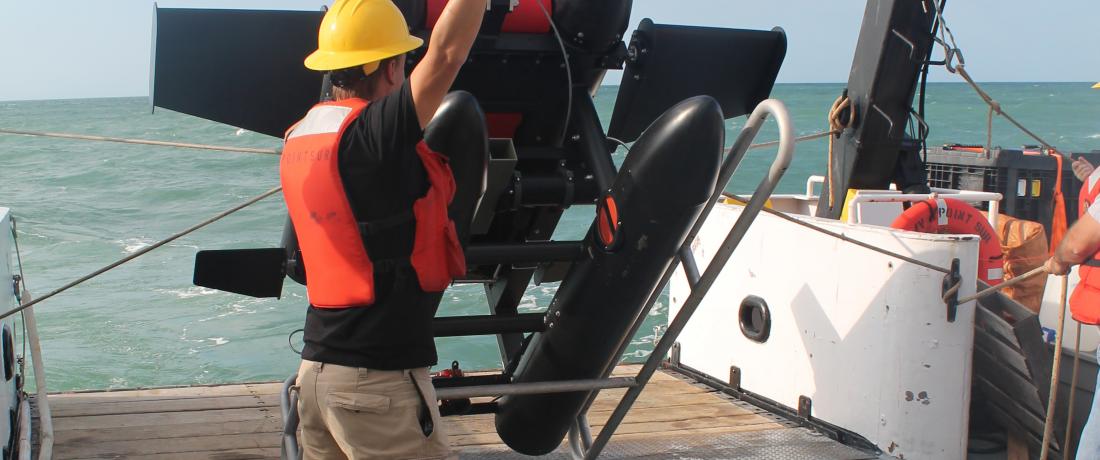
<point>122,406</point>
<point>218,454</point>
<point>132,447</point>
<point>244,421</point>
<point>178,430</point>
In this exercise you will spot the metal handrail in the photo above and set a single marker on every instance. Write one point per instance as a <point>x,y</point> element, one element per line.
<point>810,181</point>
<point>288,402</point>
<point>535,388</point>
<point>45,418</point>
<point>725,251</point>
<point>855,211</point>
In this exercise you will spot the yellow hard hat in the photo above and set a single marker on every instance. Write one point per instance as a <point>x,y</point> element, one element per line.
<point>361,32</point>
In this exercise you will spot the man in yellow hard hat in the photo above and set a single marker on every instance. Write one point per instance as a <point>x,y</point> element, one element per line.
<point>369,203</point>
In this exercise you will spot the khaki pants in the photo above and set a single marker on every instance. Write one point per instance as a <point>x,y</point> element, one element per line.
<point>359,413</point>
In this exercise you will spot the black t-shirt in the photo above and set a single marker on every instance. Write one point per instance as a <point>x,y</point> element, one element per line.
<point>383,176</point>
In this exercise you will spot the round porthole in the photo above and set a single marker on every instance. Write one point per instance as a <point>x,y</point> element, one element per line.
<point>755,319</point>
<point>8,343</point>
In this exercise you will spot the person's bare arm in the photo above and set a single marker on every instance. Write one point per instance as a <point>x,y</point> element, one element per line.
<point>1081,241</point>
<point>448,48</point>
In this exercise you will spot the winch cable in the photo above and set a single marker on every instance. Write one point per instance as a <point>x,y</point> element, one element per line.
<point>808,137</point>
<point>185,145</point>
<point>141,252</point>
<point>843,237</point>
<point>568,74</point>
<point>840,236</point>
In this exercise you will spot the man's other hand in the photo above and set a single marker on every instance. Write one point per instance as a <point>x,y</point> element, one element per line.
<point>1082,168</point>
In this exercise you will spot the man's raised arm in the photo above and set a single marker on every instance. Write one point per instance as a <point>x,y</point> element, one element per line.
<point>448,48</point>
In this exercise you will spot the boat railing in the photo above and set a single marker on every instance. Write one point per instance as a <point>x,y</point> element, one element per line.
<point>811,182</point>
<point>855,206</point>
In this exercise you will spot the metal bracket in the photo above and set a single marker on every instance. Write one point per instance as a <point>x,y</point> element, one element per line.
<point>949,281</point>
<point>805,405</point>
<point>735,378</point>
<point>907,41</point>
<point>674,354</point>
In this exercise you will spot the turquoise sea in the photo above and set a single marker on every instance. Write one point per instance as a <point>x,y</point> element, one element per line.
<point>81,205</point>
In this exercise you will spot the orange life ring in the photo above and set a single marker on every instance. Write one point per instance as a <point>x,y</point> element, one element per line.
<point>948,215</point>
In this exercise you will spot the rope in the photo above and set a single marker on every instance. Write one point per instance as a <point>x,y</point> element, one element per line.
<point>1053,397</point>
<point>836,125</point>
<point>1004,285</point>
<point>141,142</point>
<point>143,251</point>
<point>989,133</point>
<point>951,292</point>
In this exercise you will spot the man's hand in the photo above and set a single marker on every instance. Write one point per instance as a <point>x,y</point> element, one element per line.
<point>1054,267</point>
<point>1082,168</point>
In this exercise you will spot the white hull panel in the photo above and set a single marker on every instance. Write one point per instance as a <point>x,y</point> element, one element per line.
<point>864,335</point>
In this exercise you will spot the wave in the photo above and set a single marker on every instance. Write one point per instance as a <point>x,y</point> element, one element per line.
<point>187,293</point>
<point>132,245</point>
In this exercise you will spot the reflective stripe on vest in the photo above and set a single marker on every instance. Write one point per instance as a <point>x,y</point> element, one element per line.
<point>1084,304</point>
<point>339,272</point>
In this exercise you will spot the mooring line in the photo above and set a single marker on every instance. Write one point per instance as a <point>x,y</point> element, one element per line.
<point>185,145</point>
<point>30,303</point>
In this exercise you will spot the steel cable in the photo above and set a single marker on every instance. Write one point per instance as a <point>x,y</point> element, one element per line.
<point>143,251</point>
<point>185,145</point>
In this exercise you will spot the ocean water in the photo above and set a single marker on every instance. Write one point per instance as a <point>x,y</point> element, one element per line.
<point>81,205</point>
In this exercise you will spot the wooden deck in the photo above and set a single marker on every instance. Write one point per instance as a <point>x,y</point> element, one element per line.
<point>243,421</point>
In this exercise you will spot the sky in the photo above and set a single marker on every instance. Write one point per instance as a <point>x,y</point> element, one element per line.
<point>61,49</point>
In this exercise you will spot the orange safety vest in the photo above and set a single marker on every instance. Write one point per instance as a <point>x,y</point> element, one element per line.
<point>1085,301</point>
<point>339,272</point>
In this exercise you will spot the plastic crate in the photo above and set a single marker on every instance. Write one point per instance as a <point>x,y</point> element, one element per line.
<point>1025,178</point>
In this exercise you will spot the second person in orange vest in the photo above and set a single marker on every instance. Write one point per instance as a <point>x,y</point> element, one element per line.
<point>1081,245</point>
<point>369,202</point>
